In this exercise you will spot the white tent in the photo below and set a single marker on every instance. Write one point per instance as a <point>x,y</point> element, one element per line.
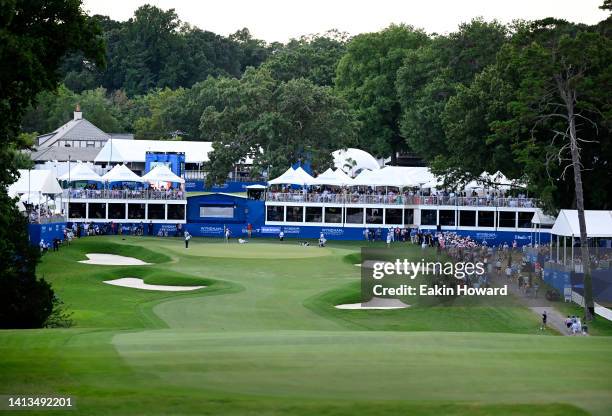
<point>343,177</point>
<point>363,179</point>
<point>395,176</point>
<point>161,173</point>
<point>35,181</point>
<point>353,160</point>
<point>542,219</point>
<point>292,177</point>
<point>121,173</point>
<point>326,178</point>
<point>81,172</point>
<point>34,198</point>
<point>598,223</point>
<point>331,177</point>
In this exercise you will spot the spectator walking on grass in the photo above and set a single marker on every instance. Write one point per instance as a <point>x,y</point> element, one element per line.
<point>544,319</point>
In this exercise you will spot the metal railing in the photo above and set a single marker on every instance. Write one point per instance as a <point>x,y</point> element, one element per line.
<point>399,199</point>
<point>76,194</point>
<point>46,219</point>
<point>200,175</point>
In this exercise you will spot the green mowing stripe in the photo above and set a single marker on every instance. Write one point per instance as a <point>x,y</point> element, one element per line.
<point>264,338</point>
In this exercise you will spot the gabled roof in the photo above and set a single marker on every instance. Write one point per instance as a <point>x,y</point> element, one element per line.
<point>121,173</point>
<point>292,177</point>
<point>598,223</point>
<point>61,154</point>
<point>80,129</point>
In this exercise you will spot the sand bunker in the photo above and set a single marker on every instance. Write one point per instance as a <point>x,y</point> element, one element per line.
<point>376,303</point>
<point>140,284</point>
<point>112,260</point>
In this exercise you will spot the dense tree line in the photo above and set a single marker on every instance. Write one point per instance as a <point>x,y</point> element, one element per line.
<point>459,101</point>
<point>531,99</point>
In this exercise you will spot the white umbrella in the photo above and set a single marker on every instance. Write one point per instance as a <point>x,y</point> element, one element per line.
<point>161,173</point>
<point>121,173</point>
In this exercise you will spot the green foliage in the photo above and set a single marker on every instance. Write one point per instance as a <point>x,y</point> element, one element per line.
<point>54,108</point>
<point>431,75</point>
<point>275,123</point>
<point>366,77</point>
<point>33,40</point>
<point>312,57</point>
<point>154,49</point>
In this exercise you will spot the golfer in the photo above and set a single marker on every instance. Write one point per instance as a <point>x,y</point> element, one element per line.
<point>187,238</point>
<point>544,319</point>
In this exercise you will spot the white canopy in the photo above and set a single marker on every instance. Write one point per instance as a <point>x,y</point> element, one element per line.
<point>161,173</point>
<point>293,177</point>
<point>33,198</point>
<point>542,219</point>
<point>399,176</point>
<point>343,177</point>
<point>81,172</point>
<point>331,177</point>
<point>598,223</point>
<point>121,173</point>
<point>35,181</point>
<point>256,187</point>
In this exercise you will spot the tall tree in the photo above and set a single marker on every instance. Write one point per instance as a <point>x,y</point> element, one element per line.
<point>562,74</point>
<point>366,77</point>
<point>34,36</point>
<point>312,57</point>
<point>431,75</point>
<point>274,123</point>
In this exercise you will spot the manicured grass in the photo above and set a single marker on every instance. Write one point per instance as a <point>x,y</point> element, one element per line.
<point>264,338</point>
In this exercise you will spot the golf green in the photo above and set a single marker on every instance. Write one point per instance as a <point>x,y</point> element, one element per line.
<point>264,338</point>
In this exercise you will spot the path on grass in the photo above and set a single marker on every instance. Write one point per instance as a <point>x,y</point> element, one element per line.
<point>538,305</point>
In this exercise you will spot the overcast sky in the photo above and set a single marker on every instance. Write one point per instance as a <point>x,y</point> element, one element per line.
<point>280,20</point>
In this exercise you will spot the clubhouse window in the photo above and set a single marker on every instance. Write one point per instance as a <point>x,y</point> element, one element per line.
<point>157,212</point>
<point>77,210</point>
<point>275,213</point>
<point>429,217</point>
<point>408,216</point>
<point>354,215</point>
<point>507,219</point>
<point>314,214</point>
<point>295,214</point>
<point>394,216</point>
<point>136,211</point>
<point>176,212</point>
<point>524,219</point>
<point>97,210</point>
<point>486,218</point>
<point>467,218</point>
<point>116,211</point>
<point>447,217</point>
<point>374,215</point>
<point>333,215</point>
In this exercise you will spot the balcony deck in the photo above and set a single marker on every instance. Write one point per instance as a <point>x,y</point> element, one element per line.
<point>85,194</point>
<point>402,200</point>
